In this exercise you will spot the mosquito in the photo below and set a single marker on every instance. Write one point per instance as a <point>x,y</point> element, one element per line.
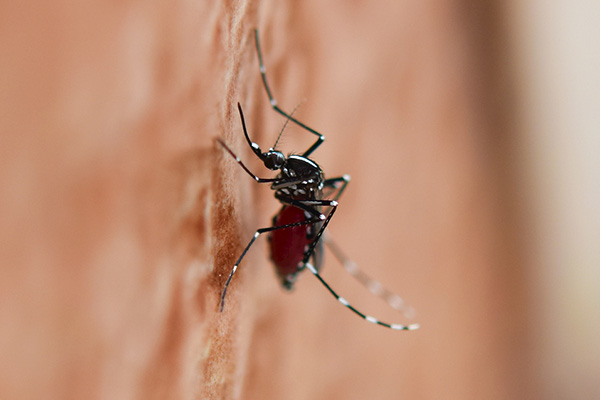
<point>297,234</point>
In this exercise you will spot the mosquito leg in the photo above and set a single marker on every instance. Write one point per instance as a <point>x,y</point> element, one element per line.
<point>309,205</point>
<point>338,297</point>
<point>237,159</point>
<point>273,102</point>
<point>375,287</point>
<point>334,183</point>
<point>254,237</point>
<point>410,327</point>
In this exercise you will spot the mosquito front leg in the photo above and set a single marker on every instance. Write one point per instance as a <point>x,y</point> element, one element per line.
<point>254,237</point>
<point>273,102</point>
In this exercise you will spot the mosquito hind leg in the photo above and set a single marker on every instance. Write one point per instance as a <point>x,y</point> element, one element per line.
<point>340,299</point>
<point>345,303</point>
<point>375,287</point>
<point>337,184</point>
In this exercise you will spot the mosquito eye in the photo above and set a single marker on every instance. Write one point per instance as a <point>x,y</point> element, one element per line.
<point>274,160</point>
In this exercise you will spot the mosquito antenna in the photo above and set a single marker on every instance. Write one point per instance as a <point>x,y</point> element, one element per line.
<point>289,117</point>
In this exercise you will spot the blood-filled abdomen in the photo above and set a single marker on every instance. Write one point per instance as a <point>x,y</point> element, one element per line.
<point>288,245</point>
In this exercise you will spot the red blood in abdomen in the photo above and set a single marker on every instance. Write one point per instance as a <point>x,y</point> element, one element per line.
<point>287,245</point>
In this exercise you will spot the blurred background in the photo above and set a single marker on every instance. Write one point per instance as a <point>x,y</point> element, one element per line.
<point>470,132</point>
<point>557,84</point>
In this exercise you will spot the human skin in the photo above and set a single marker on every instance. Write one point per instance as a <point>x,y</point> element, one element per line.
<point>122,217</point>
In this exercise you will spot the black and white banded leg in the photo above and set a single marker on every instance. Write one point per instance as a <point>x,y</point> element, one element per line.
<point>241,163</point>
<point>275,106</point>
<point>393,300</point>
<point>400,327</point>
<point>254,237</point>
<point>336,184</point>
<point>313,270</point>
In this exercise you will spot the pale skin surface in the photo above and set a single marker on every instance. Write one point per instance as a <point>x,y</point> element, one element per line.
<point>121,217</point>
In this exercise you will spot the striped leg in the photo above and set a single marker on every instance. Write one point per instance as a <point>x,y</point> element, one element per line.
<point>273,102</point>
<point>410,327</point>
<point>342,300</point>
<point>374,286</point>
<point>241,163</point>
<point>310,206</point>
<point>336,184</point>
<point>254,237</point>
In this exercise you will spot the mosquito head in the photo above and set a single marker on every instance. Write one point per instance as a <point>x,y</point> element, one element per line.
<point>273,159</point>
